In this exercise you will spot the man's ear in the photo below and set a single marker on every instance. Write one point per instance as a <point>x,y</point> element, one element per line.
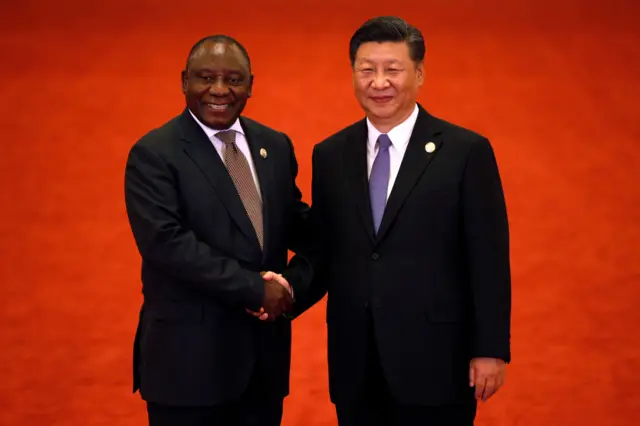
<point>183,77</point>
<point>249,91</point>
<point>420,73</point>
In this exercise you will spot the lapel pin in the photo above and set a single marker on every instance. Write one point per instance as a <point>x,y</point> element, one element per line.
<point>263,153</point>
<point>430,147</point>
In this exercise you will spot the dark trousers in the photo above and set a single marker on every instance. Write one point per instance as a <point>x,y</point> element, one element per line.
<point>376,406</point>
<point>255,408</point>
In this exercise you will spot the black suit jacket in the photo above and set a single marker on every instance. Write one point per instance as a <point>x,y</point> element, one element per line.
<point>436,278</point>
<point>195,343</point>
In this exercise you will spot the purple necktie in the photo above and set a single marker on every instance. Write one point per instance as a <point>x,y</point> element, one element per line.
<point>379,180</point>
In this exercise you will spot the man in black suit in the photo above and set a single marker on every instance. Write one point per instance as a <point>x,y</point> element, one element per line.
<point>212,202</point>
<point>412,249</point>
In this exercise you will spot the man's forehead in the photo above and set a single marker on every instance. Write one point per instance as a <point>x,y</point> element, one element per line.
<point>217,49</point>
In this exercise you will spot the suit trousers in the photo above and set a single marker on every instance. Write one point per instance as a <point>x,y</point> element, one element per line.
<point>377,407</point>
<point>256,407</point>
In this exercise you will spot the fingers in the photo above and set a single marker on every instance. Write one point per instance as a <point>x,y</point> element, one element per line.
<point>286,303</point>
<point>255,314</point>
<point>500,381</point>
<point>489,388</point>
<point>267,276</point>
<point>270,275</point>
<point>278,297</point>
<point>472,376</point>
<point>261,314</point>
<point>487,376</point>
<point>281,280</point>
<point>480,383</point>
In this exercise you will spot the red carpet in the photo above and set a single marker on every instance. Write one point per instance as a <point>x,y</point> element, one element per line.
<point>554,84</point>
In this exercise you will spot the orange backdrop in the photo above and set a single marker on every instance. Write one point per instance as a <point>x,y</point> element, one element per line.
<point>553,83</point>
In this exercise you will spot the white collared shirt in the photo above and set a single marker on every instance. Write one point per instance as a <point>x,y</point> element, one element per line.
<point>399,136</point>
<point>241,142</point>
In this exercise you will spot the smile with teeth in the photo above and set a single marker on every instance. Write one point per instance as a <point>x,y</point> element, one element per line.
<point>217,107</point>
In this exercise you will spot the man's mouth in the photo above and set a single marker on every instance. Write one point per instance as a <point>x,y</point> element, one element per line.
<point>381,99</point>
<point>218,107</point>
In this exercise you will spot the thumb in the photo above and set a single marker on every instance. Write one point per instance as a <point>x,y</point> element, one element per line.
<point>472,376</point>
<point>267,276</point>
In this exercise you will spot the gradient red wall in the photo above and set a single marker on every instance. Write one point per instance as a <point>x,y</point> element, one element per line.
<point>553,84</point>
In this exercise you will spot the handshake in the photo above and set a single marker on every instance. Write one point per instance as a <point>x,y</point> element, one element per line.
<point>278,297</point>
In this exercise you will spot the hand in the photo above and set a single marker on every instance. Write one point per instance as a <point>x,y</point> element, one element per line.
<point>277,298</point>
<point>279,278</point>
<point>278,295</point>
<point>260,314</point>
<point>487,375</point>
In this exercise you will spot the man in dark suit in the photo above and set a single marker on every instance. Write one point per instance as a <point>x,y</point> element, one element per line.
<point>212,202</point>
<point>412,248</point>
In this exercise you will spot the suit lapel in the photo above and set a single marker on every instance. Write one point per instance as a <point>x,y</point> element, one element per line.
<point>259,145</point>
<point>200,149</point>
<point>415,161</point>
<point>355,164</point>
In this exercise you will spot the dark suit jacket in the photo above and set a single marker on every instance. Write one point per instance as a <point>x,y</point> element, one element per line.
<point>195,344</point>
<point>436,279</point>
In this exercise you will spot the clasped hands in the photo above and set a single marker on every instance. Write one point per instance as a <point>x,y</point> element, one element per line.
<point>487,375</point>
<point>278,297</point>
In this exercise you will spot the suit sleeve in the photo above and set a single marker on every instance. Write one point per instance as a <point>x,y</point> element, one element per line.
<point>305,270</point>
<point>298,235</point>
<point>486,234</point>
<point>166,243</point>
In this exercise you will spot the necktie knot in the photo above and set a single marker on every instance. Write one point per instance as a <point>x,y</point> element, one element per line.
<point>384,142</point>
<point>228,137</point>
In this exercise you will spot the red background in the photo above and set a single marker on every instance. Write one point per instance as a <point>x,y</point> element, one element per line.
<point>553,84</point>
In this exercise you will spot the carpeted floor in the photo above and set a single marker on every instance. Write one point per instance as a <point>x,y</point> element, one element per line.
<point>553,84</point>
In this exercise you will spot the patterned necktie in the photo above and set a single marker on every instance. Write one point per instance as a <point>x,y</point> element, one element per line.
<point>379,180</point>
<point>240,173</point>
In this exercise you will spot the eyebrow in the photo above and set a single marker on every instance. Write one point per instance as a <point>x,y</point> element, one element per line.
<point>391,61</point>
<point>225,71</point>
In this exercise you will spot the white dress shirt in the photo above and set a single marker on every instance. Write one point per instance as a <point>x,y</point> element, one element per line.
<point>241,142</point>
<point>243,146</point>
<point>399,136</point>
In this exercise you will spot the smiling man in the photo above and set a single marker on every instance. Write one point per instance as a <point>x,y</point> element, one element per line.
<point>212,202</point>
<point>412,248</point>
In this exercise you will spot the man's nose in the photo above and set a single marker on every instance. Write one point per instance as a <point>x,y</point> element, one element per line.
<point>380,80</point>
<point>218,87</point>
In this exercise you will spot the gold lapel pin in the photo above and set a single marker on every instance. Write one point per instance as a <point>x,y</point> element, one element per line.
<point>263,153</point>
<point>430,147</point>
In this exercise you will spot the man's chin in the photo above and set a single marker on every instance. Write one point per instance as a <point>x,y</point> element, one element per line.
<point>385,110</point>
<point>219,121</point>
<point>382,114</point>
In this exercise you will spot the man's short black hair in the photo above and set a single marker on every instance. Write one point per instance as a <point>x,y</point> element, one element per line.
<point>388,28</point>
<point>219,38</point>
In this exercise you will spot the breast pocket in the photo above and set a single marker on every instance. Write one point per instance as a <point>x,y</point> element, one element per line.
<point>434,197</point>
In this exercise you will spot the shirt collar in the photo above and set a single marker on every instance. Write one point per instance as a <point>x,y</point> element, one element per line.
<point>399,135</point>
<point>212,132</point>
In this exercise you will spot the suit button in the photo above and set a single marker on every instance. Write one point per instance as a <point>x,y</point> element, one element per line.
<point>375,256</point>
